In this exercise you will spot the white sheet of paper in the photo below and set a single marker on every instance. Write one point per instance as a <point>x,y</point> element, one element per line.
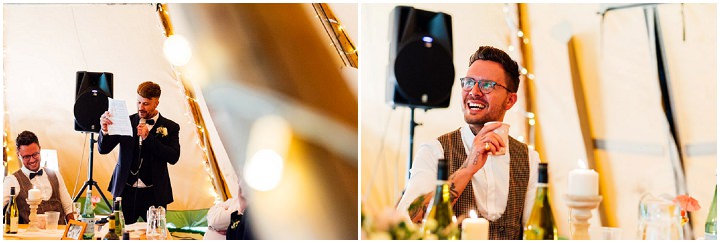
<point>120,118</point>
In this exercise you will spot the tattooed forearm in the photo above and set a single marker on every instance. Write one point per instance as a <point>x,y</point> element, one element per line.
<point>474,157</point>
<point>464,165</point>
<point>454,194</point>
<point>418,207</point>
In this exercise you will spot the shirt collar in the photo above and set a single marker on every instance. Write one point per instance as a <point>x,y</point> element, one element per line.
<point>27,171</point>
<point>467,137</point>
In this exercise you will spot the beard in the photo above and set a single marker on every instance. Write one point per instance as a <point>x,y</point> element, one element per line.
<point>146,115</point>
<point>491,113</point>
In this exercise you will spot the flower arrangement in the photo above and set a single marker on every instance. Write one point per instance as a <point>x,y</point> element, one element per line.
<point>389,225</point>
<point>94,200</point>
<point>687,204</point>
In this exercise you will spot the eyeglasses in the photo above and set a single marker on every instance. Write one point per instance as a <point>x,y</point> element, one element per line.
<point>36,155</point>
<point>486,86</point>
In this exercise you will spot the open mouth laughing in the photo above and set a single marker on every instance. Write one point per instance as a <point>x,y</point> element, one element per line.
<point>475,106</point>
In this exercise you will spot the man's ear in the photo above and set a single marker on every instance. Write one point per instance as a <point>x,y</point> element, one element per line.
<point>512,98</point>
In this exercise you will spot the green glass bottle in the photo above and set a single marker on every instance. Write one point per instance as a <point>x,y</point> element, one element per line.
<point>11,214</point>
<point>439,223</point>
<point>541,224</point>
<point>119,217</point>
<point>111,235</point>
<point>88,216</point>
<point>711,222</point>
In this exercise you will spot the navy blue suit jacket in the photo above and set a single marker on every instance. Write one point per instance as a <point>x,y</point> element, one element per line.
<point>157,151</point>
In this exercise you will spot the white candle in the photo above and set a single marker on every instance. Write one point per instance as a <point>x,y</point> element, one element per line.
<point>474,228</point>
<point>34,194</point>
<point>582,182</point>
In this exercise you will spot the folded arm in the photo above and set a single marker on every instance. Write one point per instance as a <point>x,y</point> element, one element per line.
<point>218,216</point>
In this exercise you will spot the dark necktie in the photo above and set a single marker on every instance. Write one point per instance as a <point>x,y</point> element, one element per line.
<point>32,175</point>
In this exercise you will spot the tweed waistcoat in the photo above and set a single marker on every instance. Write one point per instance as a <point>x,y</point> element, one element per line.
<point>52,204</point>
<point>509,225</point>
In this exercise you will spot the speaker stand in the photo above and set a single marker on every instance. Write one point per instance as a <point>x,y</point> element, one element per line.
<point>413,124</point>
<point>90,182</point>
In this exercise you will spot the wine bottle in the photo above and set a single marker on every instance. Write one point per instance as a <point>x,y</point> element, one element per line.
<point>88,216</point>
<point>711,222</point>
<point>111,235</point>
<point>11,214</point>
<point>541,224</point>
<point>439,223</point>
<point>119,217</point>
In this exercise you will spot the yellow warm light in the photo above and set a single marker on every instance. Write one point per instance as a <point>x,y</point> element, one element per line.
<point>267,147</point>
<point>264,171</point>
<point>177,50</point>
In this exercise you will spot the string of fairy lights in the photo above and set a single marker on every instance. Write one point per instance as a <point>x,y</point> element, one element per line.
<point>192,111</point>
<point>337,32</point>
<point>6,128</point>
<point>6,123</point>
<point>520,41</point>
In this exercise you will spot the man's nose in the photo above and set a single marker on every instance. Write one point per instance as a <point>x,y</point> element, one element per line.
<point>475,91</point>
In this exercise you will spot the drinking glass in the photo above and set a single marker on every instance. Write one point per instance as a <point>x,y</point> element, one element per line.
<point>156,229</point>
<point>76,210</point>
<point>660,218</point>
<point>606,233</point>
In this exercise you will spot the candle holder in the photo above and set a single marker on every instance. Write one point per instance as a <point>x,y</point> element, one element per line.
<point>582,212</point>
<point>33,225</point>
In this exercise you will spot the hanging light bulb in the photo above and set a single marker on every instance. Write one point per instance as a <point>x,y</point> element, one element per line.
<point>177,50</point>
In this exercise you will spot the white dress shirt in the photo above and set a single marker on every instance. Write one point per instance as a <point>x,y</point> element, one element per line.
<point>139,183</point>
<point>42,183</point>
<point>491,184</point>
<point>154,118</point>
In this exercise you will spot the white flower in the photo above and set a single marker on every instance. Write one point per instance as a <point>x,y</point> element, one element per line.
<point>162,131</point>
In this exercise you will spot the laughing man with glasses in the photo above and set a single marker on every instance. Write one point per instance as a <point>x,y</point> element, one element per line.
<point>50,183</point>
<point>477,180</point>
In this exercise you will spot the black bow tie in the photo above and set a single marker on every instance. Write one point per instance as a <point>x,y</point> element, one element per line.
<point>32,175</point>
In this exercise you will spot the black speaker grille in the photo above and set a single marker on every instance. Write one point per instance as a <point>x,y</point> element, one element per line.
<point>92,90</point>
<point>421,71</point>
<point>424,75</point>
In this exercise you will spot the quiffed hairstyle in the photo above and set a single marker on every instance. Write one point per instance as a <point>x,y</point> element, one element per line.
<point>489,53</point>
<point>26,138</point>
<point>149,90</point>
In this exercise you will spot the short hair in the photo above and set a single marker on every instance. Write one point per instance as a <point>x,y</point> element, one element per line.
<point>489,53</point>
<point>26,138</point>
<point>149,90</point>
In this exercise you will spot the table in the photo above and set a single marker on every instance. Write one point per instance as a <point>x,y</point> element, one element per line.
<point>56,234</point>
<point>22,234</point>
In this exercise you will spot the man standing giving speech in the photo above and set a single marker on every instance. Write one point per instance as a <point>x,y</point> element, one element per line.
<point>141,175</point>
<point>501,188</point>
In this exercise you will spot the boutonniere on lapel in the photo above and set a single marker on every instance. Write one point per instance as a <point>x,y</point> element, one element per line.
<point>162,131</point>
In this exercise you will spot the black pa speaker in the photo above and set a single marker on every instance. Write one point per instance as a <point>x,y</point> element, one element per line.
<point>421,71</point>
<point>91,99</point>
